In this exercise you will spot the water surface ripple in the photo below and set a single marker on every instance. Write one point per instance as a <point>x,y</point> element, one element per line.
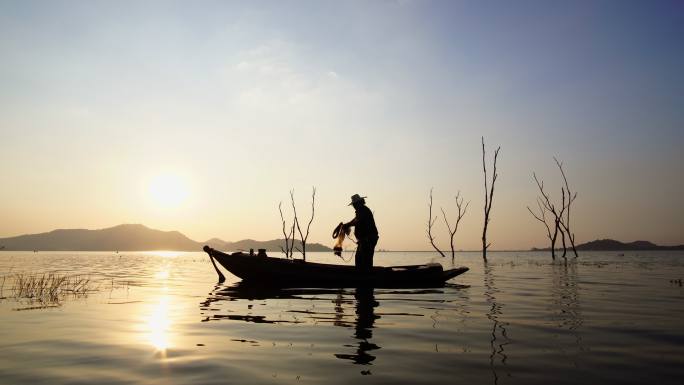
<point>161,318</point>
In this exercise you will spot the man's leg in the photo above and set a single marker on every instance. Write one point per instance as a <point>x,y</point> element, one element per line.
<point>363,259</point>
<point>370,251</point>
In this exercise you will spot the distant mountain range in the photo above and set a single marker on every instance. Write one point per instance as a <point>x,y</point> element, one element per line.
<point>136,237</point>
<point>133,237</point>
<point>613,245</point>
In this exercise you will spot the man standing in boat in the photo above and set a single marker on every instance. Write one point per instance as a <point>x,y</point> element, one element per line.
<point>365,232</point>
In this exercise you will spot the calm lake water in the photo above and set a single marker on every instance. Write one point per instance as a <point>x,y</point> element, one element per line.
<point>160,318</point>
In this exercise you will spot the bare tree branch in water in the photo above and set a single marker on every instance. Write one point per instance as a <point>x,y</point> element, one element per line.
<point>289,237</point>
<point>546,205</point>
<point>303,236</point>
<point>560,226</point>
<point>565,222</point>
<point>461,212</point>
<point>489,196</point>
<point>541,217</point>
<point>430,223</point>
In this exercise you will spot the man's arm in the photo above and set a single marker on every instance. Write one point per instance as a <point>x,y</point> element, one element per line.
<point>350,223</point>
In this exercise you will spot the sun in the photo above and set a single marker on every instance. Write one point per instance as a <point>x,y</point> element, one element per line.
<point>167,190</point>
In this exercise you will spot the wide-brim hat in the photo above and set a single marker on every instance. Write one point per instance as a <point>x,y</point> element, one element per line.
<point>357,198</point>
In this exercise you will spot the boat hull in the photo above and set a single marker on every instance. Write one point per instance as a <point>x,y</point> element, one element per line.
<point>282,272</point>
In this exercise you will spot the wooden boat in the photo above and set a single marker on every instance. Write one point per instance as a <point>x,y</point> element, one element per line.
<point>282,272</point>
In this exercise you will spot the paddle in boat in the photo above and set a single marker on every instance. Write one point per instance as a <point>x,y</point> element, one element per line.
<point>281,272</point>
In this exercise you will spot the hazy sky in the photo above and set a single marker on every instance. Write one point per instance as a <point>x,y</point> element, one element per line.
<point>236,103</point>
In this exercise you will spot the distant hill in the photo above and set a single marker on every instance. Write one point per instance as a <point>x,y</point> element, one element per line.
<point>613,245</point>
<point>122,237</point>
<point>132,237</point>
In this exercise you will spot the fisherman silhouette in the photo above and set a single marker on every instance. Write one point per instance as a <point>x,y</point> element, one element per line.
<point>365,232</point>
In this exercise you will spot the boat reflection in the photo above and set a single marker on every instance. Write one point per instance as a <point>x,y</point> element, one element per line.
<point>216,306</point>
<point>354,308</point>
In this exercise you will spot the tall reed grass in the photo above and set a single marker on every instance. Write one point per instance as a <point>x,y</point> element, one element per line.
<point>47,286</point>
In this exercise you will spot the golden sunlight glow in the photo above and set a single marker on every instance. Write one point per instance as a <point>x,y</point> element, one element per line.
<point>158,325</point>
<point>164,274</point>
<point>163,253</point>
<point>167,190</point>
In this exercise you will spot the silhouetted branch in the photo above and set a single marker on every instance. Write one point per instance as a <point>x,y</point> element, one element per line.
<point>430,223</point>
<point>544,199</point>
<point>313,211</point>
<point>461,212</point>
<point>559,221</point>
<point>565,223</point>
<point>489,196</point>
<point>303,236</point>
<point>289,237</point>
<point>542,218</point>
<point>546,205</point>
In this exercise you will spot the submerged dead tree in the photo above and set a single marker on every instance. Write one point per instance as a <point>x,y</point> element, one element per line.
<point>541,217</point>
<point>452,232</point>
<point>489,196</point>
<point>561,215</point>
<point>430,223</point>
<point>461,212</point>
<point>289,235</point>
<point>545,204</point>
<point>565,221</point>
<point>303,236</point>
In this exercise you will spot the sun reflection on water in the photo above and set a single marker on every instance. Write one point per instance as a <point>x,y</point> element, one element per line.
<point>164,274</point>
<point>164,253</point>
<point>158,320</point>
<point>159,324</point>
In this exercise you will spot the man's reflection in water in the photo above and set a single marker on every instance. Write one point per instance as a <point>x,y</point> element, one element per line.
<point>363,327</point>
